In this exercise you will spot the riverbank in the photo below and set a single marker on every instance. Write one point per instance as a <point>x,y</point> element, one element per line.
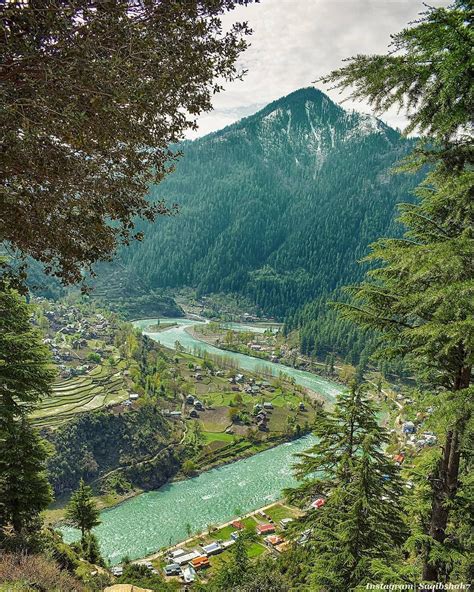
<point>213,342</point>
<point>200,538</point>
<point>55,515</point>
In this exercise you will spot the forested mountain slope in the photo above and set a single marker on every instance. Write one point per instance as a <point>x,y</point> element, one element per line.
<point>279,206</point>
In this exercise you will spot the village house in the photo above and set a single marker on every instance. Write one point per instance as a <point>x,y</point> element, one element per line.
<point>317,503</point>
<point>273,540</point>
<point>265,528</point>
<point>172,569</point>
<point>212,549</point>
<point>409,427</point>
<point>284,522</point>
<point>189,574</point>
<point>200,562</point>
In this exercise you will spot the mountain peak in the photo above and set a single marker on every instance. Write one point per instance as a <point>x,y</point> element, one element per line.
<point>298,102</point>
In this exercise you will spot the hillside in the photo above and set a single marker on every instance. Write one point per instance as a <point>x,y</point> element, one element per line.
<point>279,206</point>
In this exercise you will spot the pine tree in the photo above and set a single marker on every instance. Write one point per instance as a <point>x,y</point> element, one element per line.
<point>428,73</point>
<point>82,510</point>
<point>25,376</point>
<point>237,571</point>
<point>90,549</point>
<point>361,519</point>
<point>340,434</point>
<point>420,294</point>
<point>24,488</point>
<point>26,373</point>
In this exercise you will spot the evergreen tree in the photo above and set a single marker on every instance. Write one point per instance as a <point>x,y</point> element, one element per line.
<point>82,510</point>
<point>429,73</point>
<point>237,570</point>
<point>25,376</point>
<point>361,519</point>
<point>420,295</point>
<point>25,369</point>
<point>340,434</point>
<point>24,487</point>
<point>278,253</point>
<point>90,549</point>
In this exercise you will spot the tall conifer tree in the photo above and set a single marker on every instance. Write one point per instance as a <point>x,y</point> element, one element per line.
<point>420,294</point>
<point>82,510</point>
<point>25,376</point>
<point>361,519</point>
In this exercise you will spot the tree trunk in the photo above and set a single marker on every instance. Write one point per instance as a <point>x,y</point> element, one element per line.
<point>444,482</point>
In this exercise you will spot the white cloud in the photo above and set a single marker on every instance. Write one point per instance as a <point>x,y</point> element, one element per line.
<point>296,41</point>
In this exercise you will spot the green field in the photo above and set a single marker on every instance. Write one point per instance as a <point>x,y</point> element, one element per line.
<point>217,437</point>
<point>98,389</point>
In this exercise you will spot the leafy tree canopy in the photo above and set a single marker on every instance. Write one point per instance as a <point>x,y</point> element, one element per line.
<point>93,93</point>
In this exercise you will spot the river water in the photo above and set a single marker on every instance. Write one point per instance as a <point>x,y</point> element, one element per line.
<point>144,524</point>
<point>168,338</point>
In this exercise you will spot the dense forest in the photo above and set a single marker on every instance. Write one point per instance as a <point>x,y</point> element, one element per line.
<point>279,206</point>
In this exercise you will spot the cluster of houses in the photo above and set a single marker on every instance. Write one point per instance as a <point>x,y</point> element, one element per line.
<point>196,405</point>
<point>70,321</point>
<point>415,438</point>
<point>185,563</point>
<point>268,349</point>
<point>249,385</point>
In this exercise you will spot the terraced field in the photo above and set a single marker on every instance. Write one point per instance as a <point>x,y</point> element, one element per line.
<point>98,389</point>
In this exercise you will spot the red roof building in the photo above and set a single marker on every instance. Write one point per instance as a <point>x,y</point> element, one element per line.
<point>265,528</point>
<point>237,524</point>
<point>200,562</point>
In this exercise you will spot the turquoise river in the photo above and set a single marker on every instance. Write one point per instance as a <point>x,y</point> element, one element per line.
<point>150,521</point>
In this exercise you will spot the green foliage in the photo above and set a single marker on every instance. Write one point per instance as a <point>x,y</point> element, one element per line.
<point>96,443</point>
<point>88,549</point>
<point>419,295</point>
<point>361,519</point>
<point>189,466</point>
<point>26,372</point>
<point>430,78</point>
<point>88,110</point>
<point>25,376</point>
<point>237,569</point>
<point>24,488</point>
<point>82,512</point>
<point>140,575</point>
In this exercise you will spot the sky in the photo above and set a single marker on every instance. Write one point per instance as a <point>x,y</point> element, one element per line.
<point>294,42</point>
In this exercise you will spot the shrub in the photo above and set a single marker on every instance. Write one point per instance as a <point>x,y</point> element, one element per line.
<point>36,572</point>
